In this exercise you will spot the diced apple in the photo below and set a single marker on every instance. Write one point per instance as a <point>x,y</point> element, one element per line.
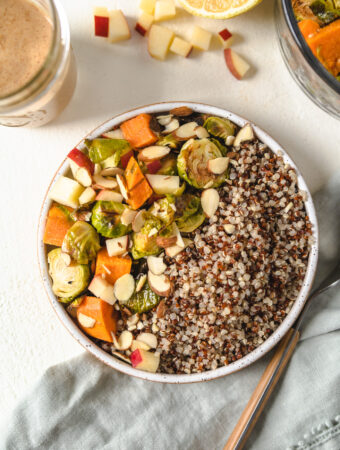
<point>164,10</point>
<point>128,216</point>
<point>81,160</point>
<point>144,23</point>
<point>159,41</point>
<point>210,199</point>
<point>144,360</point>
<point>154,166</point>
<point>153,152</point>
<point>124,159</point>
<point>83,177</point>
<point>109,196</point>
<point>124,288</point>
<point>225,37</point>
<point>102,289</point>
<point>201,38</point>
<point>246,133</point>
<point>237,65</point>
<point>88,196</point>
<point>148,6</point>
<point>181,47</point>
<point>163,184</point>
<point>101,22</point>
<point>118,27</point>
<point>114,134</point>
<point>66,192</point>
<point>117,246</point>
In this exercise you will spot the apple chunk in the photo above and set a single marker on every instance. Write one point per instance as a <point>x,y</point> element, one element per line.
<point>144,360</point>
<point>118,27</point>
<point>181,47</point>
<point>165,10</point>
<point>144,23</point>
<point>66,192</point>
<point>237,65</point>
<point>117,246</point>
<point>102,289</point>
<point>159,41</point>
<point>225,37</point>
<point>101,22</point>
<point>148,6</point>
<point>201,38</point>
<point>163,184</point>
<point>81,160</point>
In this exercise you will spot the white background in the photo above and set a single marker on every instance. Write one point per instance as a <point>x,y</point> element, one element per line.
<point>111,79</point>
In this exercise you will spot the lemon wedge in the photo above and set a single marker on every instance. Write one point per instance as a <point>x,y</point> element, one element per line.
<point>218,9</point>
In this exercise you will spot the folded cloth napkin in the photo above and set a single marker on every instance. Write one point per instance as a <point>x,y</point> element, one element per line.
<point>82,404</point>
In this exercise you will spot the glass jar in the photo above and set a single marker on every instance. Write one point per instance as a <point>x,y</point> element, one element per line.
<point>50,90</point>
<point>312,77</point>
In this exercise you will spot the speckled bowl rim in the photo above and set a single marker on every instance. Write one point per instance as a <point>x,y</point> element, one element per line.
<point>250,358</point>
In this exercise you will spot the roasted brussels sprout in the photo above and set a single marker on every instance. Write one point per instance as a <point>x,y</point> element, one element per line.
<point>170,140</point>
<point>106,219</point>
<point>164,209</point>
<point>218,127</point>
<point>169,166</point>
<point>220,146</point>
<point>81,242</point>
<point>144,241</point>
<point>192,163</point>
<point>101,149</point>
<point>143,300</point>
<point>324,10</point>
<point>189,214</point>
<point>72,307</point>
<point>68,280</point>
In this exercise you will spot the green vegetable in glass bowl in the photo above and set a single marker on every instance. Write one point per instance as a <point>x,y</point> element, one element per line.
<point>102,148</point>
<point>69,280</point>
<point>143,301</point>
<point>220,128</point>
<point>192,163</point>
<point>106,219</point>
<point>81,242</point>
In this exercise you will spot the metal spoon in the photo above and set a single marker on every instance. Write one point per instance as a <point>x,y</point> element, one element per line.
<point>273,371</point>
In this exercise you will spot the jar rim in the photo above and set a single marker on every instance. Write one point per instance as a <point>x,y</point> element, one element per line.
<point>315,64</point>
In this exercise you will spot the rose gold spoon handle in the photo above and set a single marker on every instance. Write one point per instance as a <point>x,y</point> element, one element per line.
<point>273,372</point>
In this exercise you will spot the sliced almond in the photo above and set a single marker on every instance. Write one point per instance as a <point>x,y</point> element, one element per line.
<point>83,177</point>
<point>109,196</point>
<point>148,339</point>
<point>124,288</point>
<point>139,345</point>
<point>166,242</point>
<point>172,126</point>
<point>159,284</point>
<point>156,264</point>
<point>114,134</point>
<point>181,111</point>
<point>201,132</point>
<point>164,120</point>
<point>140,283</point>
<point>117,246</point>
<point>179,239</point>
<point>208,185</point>
<point>128,216</point>
<point>122,357</point>
<point>104,183</point>
<point>218,165</point>
<point>153,152</point>
<point>138,221</point>
<point>245,134</point>
<point>88,196</point>
<point>86,321</point>
<point>230,140</point>
<point>187,131</point>
<point>209,200</point>
<point>124,341</point>
<point>160,311</point>
<point>112,171</point>
<point>122,188</point>
<point>132,320</point>
<point>176,249</point>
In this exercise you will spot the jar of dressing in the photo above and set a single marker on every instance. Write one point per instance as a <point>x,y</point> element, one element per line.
<point>37,67</point>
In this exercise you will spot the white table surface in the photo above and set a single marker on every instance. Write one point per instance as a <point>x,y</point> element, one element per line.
<point>114,78</point>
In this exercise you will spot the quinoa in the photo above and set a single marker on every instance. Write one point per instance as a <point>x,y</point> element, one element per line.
<point>236,283</point>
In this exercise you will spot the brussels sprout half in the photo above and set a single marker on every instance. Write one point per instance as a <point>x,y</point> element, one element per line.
<point>143,301</point>
<point>106,219</point>
<point>192,163</point>
<point>218,127</point>
<point>102,148</point>
<point>68,280</point>
<point>189,214</point>
<point>81,242</point>
<point>164,209</point>
<point>169,166</point>
<point>143,244</point>
<point>170,140</point>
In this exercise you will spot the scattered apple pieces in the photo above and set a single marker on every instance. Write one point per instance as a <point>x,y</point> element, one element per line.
<point>118,27</point>
<point>159,41</point>
<point>164,10</point>
<point>145,360</point>
<point>66,192</point>
<point>225,37</point>
<point>238,66</point>
<point>101,22</point>
<point>148,6</point>
<point>201,38</point>
<point>181,47</point>
<point>144,23</point>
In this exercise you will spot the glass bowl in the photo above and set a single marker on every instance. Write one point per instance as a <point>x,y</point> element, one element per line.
<point>315,81</point>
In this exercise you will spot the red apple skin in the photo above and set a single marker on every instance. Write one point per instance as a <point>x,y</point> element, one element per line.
<point>154,166</point>
<point>229,60</point>
<point>225,34</point>
<point>124,159</point>
<point>81,160</point>
<point>140,29</point>
<point>136,358</point>
<point>101,26</point>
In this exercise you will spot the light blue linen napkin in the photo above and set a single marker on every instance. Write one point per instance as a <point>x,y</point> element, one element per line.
<point>82,404</point>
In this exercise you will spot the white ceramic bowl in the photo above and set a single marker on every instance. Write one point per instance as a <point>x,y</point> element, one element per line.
<point>211,374</point>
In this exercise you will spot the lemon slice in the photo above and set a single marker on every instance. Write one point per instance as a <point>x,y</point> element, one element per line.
<point>218,9</point>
